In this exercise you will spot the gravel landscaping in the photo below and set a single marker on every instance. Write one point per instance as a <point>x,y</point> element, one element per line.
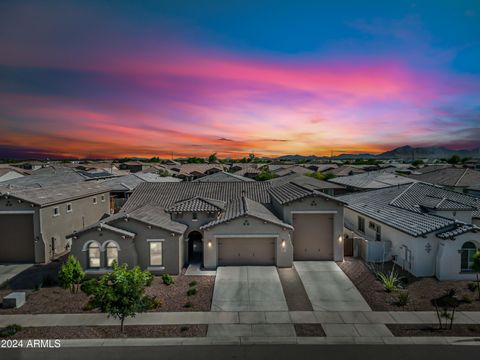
<point>103,332</point>
<point>55,300</point>
<point>433,330</point>
<point>420,290</point>
<point>309,330</point>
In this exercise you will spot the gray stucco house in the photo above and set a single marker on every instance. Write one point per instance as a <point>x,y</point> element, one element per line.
<point>34,222</point>
<point>165,226</point>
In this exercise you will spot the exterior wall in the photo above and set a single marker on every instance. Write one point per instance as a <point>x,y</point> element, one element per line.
<point>476,221</point>
<point>316,204</point>
<point>256,228</point>
<point>172,246</point>
<point>448,259</point>
<point>13,205</point>
<point>55,228</point>
<point>186,218</point>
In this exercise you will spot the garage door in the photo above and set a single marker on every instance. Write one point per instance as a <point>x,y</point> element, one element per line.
<point>313,236</point>
<point>16,238</point>
<point>246,251</point>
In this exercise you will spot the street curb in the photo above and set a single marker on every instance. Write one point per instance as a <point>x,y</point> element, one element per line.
<point>198,341</point>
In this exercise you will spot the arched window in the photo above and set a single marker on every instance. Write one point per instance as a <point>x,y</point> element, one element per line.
<point>93,255</point>
<point>467,252</point>
<point>111,253</point>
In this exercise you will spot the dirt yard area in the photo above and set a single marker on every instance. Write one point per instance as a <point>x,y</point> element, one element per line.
<point>433,330</point>
<point>55,300</point>
<point>103,332</point>
<point>420,290</point>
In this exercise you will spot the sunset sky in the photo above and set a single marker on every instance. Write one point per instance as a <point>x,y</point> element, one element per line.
<point>116,78</point>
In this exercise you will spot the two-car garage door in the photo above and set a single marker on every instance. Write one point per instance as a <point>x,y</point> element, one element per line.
<point>246,251</point>
<point>16,238</point>
<point>313,236</point>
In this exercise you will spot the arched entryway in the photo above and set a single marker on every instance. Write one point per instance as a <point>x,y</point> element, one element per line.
<point>195,247</point>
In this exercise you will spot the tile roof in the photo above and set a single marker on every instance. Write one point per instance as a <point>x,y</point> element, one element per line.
<point>197,204</point>
<point>345,171</point>
<point>188,169</point>
<point>156,216</point>
<point>291,191</point>
<point>450,176</point>
<point>399,206</point>
<point>246,207</point>
<point>293,169</point>
<point>131,181</point>
<point>166,194</point>
<point>459,230</point>
<point>56,194</point>
<point>44,177</point>
<point>372,180</point>
<point>305,181</point>
<point>248,170</point>
<point>223,176</point>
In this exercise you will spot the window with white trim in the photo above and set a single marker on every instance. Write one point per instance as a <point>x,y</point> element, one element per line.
<point>111,254</point>
<point>466,255</point>
<point>95,200</point>
<point>103,198</point>
<point>56,211</point>
<point>361,224</point>
<point>156,253</point>
<point>93,255</point>
<point>69,208</point>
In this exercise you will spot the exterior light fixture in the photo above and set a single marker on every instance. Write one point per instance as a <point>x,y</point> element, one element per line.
<point>340,239</point>
<point>209,243</point>
<point>283,244</point>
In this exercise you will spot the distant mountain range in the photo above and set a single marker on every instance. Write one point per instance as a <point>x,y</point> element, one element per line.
<point>403,152</point>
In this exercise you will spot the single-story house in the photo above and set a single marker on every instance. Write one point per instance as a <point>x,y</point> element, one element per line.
<point>165,226</point>
<point>371,180</point>
<point>453,178</point>
<point>133,166</point>
<point>425,229</point>
<point>326,187</point>
<point>189,172</point>
<point>223,176</point>
<point>34,222</point>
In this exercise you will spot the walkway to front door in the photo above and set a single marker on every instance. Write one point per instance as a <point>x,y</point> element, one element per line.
<point>248,288</point>
<point>328,288</point>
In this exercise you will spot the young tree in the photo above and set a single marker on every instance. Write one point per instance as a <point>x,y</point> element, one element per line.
<point>251,157</point>
<point>212,158</point>
<point>121,293</point>
<point>71,274</point>
<point>264,175</point>
<point>455,159</point>
<point>476,269</point>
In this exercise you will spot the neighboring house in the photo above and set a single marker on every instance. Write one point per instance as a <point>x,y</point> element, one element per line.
<point>171,162</point>
<point>34,222</point>
<point>133,166</point>
<point>345,170</point>
<point>222,176</point>
<point>453,178</point>
<point>122,186</point>
<point>321,167</point>
<point>189,172</point>
<point>248,170</point>
<point>10,173</point>
<point>371,180</point>
<point>164,226</point>
<point>31,165</point>
<point>425,229</point>
<point>293,169</point>
<point>311,183</point>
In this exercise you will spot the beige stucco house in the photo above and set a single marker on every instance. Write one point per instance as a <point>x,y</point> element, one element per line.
<point>164,226</point>
<point>34,222</point>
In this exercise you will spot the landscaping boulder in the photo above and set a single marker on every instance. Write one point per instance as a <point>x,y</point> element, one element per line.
<point>13,300</point>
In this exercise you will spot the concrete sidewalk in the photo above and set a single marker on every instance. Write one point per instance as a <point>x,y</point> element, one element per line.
<point>241,317</point>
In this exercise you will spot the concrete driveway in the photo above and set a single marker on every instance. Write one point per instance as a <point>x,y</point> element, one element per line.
<point>8,271</point>
<point>328,288</point>
<point>248,288</point>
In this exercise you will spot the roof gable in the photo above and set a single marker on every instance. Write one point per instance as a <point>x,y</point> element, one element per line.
<point>197,204</point>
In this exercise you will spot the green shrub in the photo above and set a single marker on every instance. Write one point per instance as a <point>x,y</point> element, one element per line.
<point>191,292</point>
<point>389,281</point>
<point>71,275</point>
<point>167,279</point>
<point>403,298</point>
<point>193,283</point>
<point>188,304</point>
<point>10,330</point>
<point>88,286</point>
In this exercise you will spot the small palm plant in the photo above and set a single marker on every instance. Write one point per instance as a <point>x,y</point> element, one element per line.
<point>389,281</point>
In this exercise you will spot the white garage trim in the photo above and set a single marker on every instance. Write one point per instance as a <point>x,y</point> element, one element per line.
<point>18,212</point>
<point>314,212</point>
<point>246,236</point>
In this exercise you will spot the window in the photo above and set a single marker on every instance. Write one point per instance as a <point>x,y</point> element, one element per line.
<point>361,224</point>
<point>93,255</point>
<point>103,198</point>
<point>371,225</point>
<point>466,253</point>
<point>378,233</point>
<point>69,208</point>
<point>56,211</point>
<point>112,254</point>
<point>95,200</point>
<point>194,216</point>
<point>156,257</point>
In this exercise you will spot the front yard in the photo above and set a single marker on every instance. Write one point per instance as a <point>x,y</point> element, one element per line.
<point>55,300</point>
<point>420,290</point>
